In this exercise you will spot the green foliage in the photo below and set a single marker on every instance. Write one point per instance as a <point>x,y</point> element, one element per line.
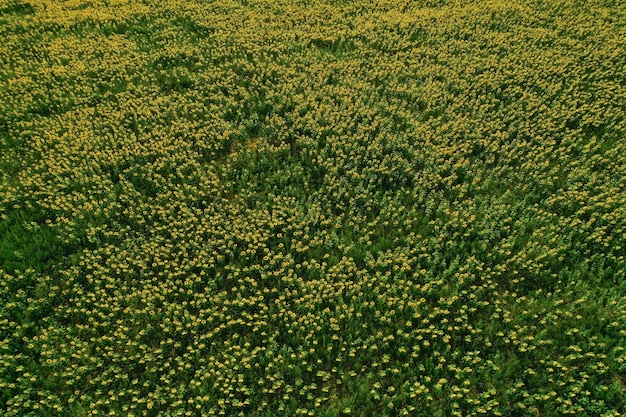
<point>321,208</point>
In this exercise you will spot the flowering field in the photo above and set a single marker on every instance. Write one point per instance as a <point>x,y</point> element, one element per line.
<point>308,207</point>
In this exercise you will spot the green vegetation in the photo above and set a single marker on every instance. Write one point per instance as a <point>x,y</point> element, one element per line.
<point>324,208</point>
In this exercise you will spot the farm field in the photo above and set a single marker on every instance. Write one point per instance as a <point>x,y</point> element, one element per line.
<point>312,208</point>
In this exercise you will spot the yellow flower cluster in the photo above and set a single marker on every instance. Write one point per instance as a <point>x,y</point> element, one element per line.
<point>322,207</point>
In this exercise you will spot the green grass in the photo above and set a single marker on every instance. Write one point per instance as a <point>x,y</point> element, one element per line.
<point>312,208</point>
